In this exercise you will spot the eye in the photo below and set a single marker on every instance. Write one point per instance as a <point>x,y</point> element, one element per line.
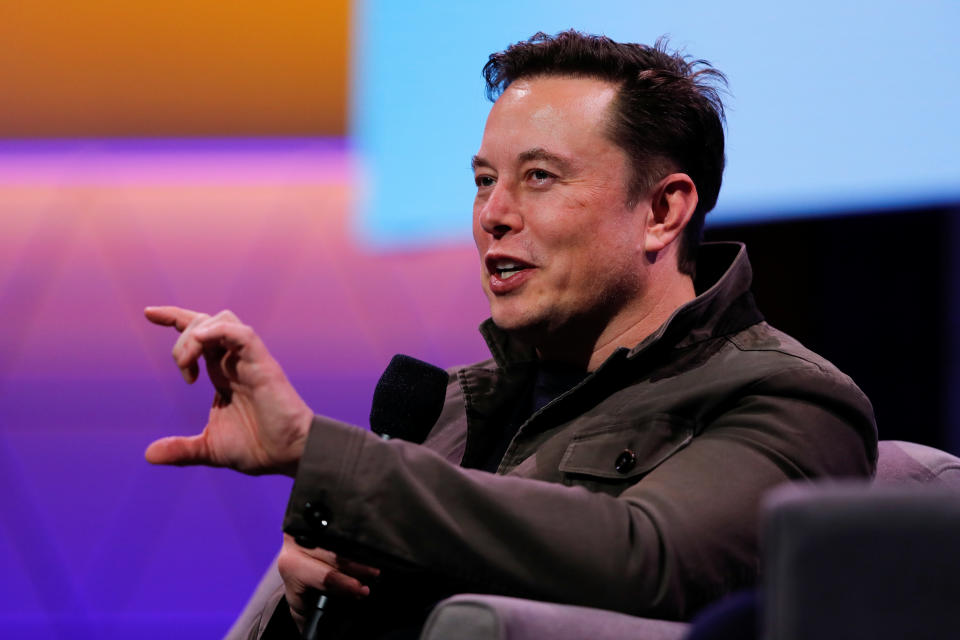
<point>539,176</point>
<point>483,181</point>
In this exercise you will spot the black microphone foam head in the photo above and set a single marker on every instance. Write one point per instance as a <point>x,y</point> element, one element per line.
<point>408,399</point>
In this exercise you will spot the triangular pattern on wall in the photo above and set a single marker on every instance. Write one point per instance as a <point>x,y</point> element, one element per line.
<point>94,541</point>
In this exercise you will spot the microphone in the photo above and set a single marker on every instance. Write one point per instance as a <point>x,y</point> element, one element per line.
<point>408,399</point>
<point>407,402</point>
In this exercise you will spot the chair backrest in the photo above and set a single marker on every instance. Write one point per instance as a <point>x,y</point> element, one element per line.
<point>911,463</point>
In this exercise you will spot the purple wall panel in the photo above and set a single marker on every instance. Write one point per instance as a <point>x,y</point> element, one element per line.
<point>94,542</point>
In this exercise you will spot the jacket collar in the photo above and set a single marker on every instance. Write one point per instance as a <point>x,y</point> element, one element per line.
<point>723,305</point>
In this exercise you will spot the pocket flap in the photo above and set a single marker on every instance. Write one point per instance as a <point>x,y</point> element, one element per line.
<point>626,449</point>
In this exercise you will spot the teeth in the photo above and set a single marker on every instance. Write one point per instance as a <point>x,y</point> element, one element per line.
<point>507,268</point>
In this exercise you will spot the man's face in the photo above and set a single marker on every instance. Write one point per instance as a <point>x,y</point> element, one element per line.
<point>559,249</point>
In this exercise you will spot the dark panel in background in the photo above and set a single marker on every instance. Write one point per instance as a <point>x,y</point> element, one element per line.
<point>872,293</point>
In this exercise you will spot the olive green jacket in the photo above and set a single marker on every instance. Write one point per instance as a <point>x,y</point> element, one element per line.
<point>637,490</point>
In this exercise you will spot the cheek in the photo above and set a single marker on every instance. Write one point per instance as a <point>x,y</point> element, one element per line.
<point>559,226</point>
<point>580,214</point>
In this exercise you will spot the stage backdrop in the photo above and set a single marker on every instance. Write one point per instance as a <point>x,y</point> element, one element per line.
<point>94,542</point>
<point>833,106</point>
<point>226,155</point>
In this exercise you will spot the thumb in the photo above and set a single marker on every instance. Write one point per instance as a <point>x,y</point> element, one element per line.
<point>178,450</point>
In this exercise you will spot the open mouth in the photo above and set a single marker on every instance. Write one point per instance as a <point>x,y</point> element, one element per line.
<point>506,268</point>
<point>508,271</point>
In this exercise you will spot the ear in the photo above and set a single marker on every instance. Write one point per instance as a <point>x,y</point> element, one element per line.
<point>672,204</point>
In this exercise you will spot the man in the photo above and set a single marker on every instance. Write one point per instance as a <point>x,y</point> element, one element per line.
<point>635,409</point>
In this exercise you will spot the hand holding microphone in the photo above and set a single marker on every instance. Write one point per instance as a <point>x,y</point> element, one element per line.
<point>407,402</point>
<point>304,571</point>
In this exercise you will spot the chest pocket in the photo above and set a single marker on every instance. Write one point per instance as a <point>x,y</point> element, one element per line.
<point>613,457</point>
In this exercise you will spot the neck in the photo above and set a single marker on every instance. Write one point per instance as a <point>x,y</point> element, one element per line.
<point>589,347</point>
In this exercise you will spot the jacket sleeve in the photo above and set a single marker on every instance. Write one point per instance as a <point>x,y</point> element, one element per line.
<point>678,538</point>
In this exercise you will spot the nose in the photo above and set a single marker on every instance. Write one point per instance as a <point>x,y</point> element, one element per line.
<point>499,214</point>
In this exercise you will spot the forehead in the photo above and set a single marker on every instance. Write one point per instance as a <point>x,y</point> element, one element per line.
<point>551,108</point>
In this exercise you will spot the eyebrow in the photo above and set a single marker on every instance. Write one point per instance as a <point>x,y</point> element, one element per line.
<point>536,153</point>
<point>478,161</point>
<point>539,153</point>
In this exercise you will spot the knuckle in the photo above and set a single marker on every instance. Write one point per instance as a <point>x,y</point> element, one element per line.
<point>226,314</point>
<point>286,562</point>
<point>329,577</point>
<point>323,555</point>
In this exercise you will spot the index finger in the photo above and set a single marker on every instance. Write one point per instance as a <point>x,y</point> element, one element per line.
<point>350,567</point>
<point>170,316</point>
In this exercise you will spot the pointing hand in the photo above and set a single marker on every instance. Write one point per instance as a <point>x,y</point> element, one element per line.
<point>258,423</point>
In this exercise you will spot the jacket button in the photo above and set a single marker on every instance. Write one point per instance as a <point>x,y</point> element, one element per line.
<point>315,515</point>
<point>626,461</point>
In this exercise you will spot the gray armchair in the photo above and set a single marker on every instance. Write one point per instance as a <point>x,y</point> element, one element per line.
<point>841,563</point>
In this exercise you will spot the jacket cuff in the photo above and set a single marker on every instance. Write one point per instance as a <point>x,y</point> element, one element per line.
<point>330,457</point>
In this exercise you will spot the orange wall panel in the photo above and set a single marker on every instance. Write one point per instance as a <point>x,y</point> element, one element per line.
<point>76,68</point>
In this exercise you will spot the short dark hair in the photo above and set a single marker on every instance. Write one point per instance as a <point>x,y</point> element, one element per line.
<point>667,116</point>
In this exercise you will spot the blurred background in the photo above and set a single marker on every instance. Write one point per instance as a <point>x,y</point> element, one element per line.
<point>306,164</point>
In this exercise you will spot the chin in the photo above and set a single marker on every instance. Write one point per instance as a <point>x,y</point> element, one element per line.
<point>507,322</point>
<point>523,325</point>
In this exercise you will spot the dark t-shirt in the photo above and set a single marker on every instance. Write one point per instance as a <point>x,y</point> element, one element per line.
<point>552,380</point>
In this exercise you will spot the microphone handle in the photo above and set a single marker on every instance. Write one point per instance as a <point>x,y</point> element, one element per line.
<point>312,626</point>
<point>310,629</point>
<point>414,391</point>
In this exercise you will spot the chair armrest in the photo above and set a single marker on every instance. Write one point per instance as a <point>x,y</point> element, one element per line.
<point>255,616</point>
<point>485,617</point>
